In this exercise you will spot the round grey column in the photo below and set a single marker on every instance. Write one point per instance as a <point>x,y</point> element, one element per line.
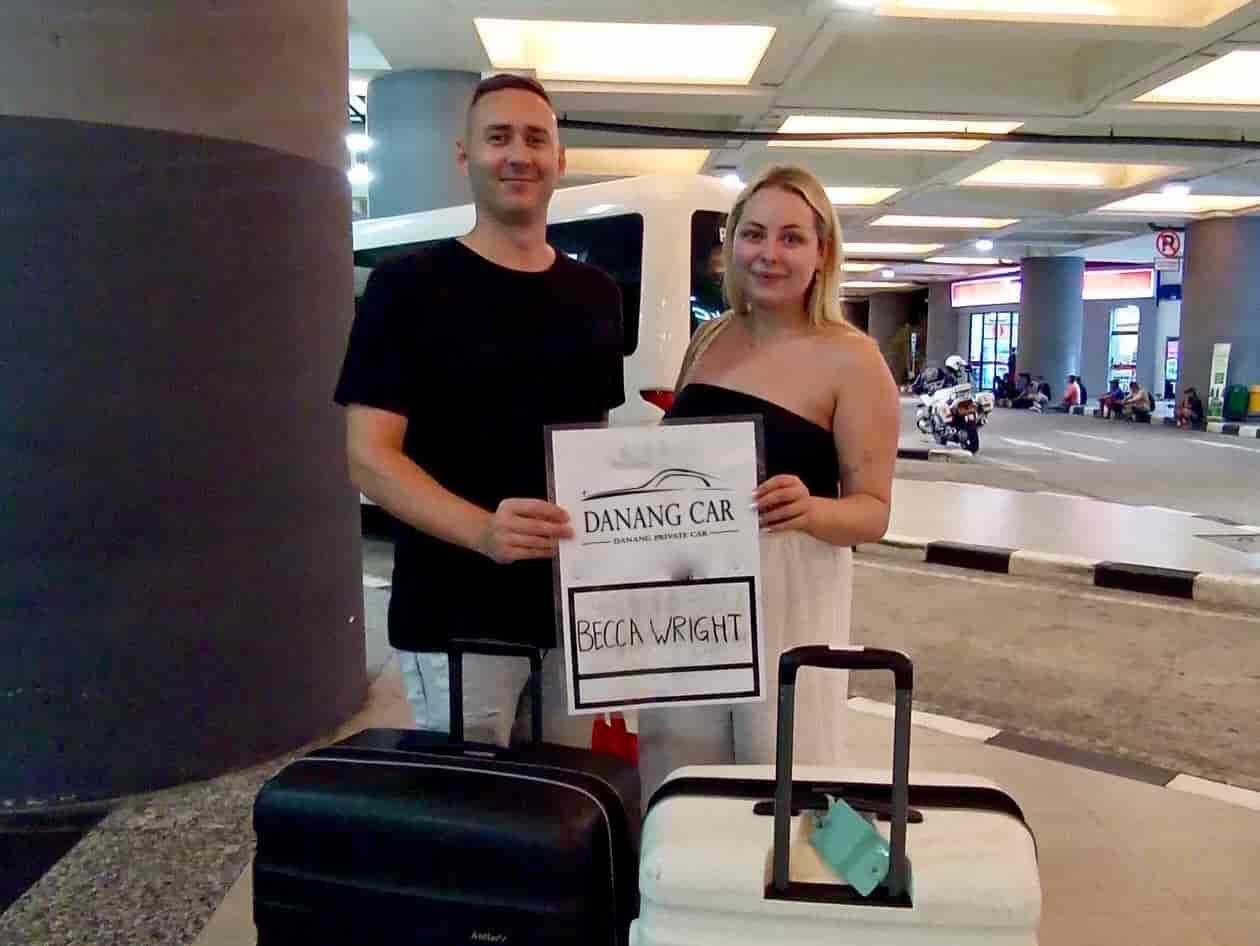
<point>182,580</point>
<point>1051,318</point>
<point>414,119</point>
<point>889,312</point>
<point>1220,301</point>
<point>942,326</point>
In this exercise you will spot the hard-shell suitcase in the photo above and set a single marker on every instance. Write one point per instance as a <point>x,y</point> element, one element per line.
<point>401,837</point>
<point>727,860</point>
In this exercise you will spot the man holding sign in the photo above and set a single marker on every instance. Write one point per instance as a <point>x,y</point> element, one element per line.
<point>460,355</point>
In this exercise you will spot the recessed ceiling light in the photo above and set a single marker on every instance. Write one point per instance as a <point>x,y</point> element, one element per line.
<point>693,54</point>
<point>888,273</point>
<point>360,175</point>
<point>1166,13</point>
<point>984,246</point>
<point>860,284</point>
<point>733,181</point>
<point>859,196</point>
<point>944,223</point>
<point>1068,175</point>
<point>964,260</point>
<point>1176,189</point>
<point>631,162</point>
<point>859,267</point>
<point>891,249</point>
<point>839,125</point>
<point>358,143</point>
<point>1188,205</point>
<point>1229,80</point>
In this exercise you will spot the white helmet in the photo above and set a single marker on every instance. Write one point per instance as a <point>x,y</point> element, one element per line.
<point>955,363</point>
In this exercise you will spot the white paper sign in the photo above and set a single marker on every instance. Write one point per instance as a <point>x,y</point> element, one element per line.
<point>659,590</point>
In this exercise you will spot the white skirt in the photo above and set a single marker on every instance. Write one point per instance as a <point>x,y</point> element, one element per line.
<point>807,594</point>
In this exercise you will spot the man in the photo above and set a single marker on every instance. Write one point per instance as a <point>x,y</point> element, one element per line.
<point>1138,405</point>
<point>459,356</point>
<point>1071,395</point>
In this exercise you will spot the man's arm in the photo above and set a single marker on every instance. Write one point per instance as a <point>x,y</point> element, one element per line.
<point>518,529</point>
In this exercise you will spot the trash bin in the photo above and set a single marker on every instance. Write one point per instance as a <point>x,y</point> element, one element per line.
<point>1236,403</point>
<point>1253,402</point>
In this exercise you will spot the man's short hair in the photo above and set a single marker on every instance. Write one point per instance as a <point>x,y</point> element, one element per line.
<point>508,81</point>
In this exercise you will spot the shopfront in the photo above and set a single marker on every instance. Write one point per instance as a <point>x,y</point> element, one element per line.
<point>1118,338</point>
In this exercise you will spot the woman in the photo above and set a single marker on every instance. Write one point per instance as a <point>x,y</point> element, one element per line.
<point>1190,410</point>
<point>830,410</point>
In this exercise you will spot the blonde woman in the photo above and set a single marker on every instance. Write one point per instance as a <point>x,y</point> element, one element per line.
<point>830,418</point>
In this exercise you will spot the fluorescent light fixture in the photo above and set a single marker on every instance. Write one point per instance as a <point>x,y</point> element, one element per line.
<point>859,196</point>
<point>733,181</point>
<point>860,284</point>
<point>964,260</point>
<point>859,267</point>
<point>1176,189</point>
<point>984,246</point>
<point>1160,13</point>
<point>891,249</point>
<point>1187,205</point>
<point>888,273</point>
<point>358,143</point>
<point>1067,175</point>
<point>943,223</point>
<point>360,175</point>
<point>1233,79</point>
<point>693,54</point>
<point>839,125</point>
<point>631,162</point>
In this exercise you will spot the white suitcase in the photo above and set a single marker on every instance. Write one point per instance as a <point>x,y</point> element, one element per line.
<point>715,872</point>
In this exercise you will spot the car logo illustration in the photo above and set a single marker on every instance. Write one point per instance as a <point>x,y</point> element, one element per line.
<point>666,481</point>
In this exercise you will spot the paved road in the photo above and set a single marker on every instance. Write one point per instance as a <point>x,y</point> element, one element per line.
<point>1167,683</point>
<point>1153,465</point>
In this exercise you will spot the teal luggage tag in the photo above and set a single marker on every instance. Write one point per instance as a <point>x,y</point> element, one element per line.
<point>850,845</point>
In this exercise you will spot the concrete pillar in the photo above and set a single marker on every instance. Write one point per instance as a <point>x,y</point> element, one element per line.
<point>1221,301</point>
<point>857,312</point>
<point>890,311</point>
<point>415,117</point>
<point>182,574</point>
<point>1051,318</point>
<point>942,326</point>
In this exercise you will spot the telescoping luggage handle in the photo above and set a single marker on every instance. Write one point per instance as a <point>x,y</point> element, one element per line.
<point>455,652</point>
<point>853,658</point>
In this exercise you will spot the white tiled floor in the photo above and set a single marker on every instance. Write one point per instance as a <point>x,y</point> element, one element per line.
<point>1063,525</point>
<point>1123,863</point>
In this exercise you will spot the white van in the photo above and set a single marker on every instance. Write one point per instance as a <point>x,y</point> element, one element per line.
<point>657,236</point>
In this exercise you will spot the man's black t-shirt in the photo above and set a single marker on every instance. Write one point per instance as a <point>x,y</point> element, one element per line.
<point>479,358</point>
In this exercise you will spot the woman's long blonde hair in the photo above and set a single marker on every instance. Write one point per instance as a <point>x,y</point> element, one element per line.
<point>822,303</point>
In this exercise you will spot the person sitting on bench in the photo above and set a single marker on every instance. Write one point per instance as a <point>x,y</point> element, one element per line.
<point>1137,406</point>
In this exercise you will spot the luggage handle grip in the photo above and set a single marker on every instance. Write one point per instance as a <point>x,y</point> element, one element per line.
<point>851,658</point>
<point>455,650</point>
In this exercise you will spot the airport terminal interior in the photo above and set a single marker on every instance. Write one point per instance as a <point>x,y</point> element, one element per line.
<point>1060,196</point>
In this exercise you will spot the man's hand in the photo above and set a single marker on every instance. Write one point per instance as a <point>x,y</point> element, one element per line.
<point>523,529</point>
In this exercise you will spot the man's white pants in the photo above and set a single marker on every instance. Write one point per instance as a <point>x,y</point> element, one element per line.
<point>496,698</point>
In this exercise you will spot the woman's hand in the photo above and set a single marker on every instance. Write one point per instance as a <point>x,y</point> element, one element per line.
<point>783,503</point>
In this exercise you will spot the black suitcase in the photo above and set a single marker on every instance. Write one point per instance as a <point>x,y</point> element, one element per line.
<point>399,837</point>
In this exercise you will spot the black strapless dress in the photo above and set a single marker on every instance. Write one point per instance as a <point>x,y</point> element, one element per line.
<point>793,444</point>
<point>806,594</point>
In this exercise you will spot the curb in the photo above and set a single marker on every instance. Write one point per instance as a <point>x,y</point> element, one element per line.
<point>1246,431</point>
<point>933,454</point>
<point>1118,766</point>
<point>1240,592</point>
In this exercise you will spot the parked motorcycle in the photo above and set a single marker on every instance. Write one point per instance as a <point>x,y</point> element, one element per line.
<point>955,413</point>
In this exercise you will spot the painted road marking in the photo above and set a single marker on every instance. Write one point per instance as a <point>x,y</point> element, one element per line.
<point>1073,591</point>
<point>1013,467</point>
<point>1067,453</point>
<point>1226,446</point>
<point>1073,433</point>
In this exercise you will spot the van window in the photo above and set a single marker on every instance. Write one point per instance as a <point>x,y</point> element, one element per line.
<point>708,231</point>
<point>615,245</point>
